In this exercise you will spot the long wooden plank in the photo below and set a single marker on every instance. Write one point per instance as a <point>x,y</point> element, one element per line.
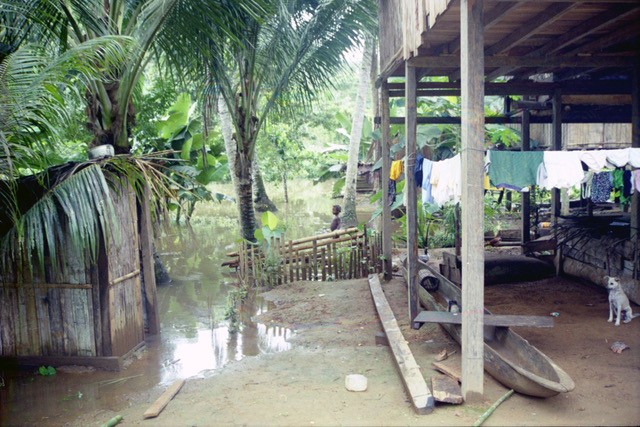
<point>414,382</point>
<point>489,319</point>
<point>157,407</point>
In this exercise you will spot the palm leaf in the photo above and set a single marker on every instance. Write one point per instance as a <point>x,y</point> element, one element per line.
<point>73,212</point>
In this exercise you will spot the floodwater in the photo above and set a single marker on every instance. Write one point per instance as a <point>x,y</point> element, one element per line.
<point>195,337</point>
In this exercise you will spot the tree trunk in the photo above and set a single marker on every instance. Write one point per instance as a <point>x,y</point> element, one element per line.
<point>244,192</point>
<point>286,188</point>
<point>349,218</point>
<point>105,121</point>
<point>230,149</point>
<point>262,201</point>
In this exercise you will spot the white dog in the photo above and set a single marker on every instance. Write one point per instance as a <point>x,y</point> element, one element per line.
<point>618,302</point>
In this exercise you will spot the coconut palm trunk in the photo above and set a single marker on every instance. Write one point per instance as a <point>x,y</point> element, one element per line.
<point>244,188</point>
<point>262,201</point>
<point>349,218</point>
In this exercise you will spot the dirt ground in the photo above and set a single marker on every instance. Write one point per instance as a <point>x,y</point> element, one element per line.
<point>335,325</point>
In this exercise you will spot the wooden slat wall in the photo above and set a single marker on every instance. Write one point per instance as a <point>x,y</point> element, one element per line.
<point>62,315</point>
<point>50,315</point>
<point>417,17</point>
<point>583,135</point>
<point>125,296</point>
<point>390,17</point>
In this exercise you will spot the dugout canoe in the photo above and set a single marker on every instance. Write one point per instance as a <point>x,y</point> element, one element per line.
<point>508,357</point>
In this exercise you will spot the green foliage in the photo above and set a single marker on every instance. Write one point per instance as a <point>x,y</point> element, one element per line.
<point>200,160</point>
<point>47,371</point>
<point>268,271</point>
<point>271,228</point>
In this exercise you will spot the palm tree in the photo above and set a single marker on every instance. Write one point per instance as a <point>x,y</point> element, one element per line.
<point>349,218</point>
<point>33,85</point>
<point>169,30</point>
<point>285,57</point>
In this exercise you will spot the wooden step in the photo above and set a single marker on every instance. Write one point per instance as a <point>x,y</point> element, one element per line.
<point>489,319</point>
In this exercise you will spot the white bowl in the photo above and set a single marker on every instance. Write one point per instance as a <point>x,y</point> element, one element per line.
<point>105,150</point>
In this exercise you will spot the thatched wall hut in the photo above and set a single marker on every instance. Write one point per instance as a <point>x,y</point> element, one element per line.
<point>93,311</point>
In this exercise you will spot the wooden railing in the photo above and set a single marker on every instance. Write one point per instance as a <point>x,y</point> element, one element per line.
<point>339,255</point>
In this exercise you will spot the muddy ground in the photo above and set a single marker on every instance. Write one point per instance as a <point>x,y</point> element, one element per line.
<point>335,325</point>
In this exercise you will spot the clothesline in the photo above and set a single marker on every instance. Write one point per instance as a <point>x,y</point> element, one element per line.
<point>441,181</point>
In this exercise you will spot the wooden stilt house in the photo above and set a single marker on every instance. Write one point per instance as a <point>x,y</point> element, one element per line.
<point>577,56</point>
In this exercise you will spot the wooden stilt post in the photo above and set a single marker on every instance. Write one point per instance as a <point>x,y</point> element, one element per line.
<point>556,144</point>
<point>526,199</point>
<point>386,166</point>
<point>472,78</point>
<point>410,191</point>
<point>635,142</point>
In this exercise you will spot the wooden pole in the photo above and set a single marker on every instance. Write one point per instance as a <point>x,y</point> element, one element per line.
<point>315,260</point>
<point>526,199</point>
<point>635,142</point>
<point>386,167</point>
<point>556,144</point>
<point>472,85</point>
<point>410,191</point>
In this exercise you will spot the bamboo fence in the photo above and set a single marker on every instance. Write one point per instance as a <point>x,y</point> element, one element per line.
<point>339,255</point>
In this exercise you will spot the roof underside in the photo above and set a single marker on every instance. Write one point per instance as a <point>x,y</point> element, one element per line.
<point>553,40</point>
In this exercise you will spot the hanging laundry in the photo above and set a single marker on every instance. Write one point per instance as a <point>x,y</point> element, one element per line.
<point>636,180</point>
<point>391,196</point>
<point>634,157</point>
<point>514,169</point>
<point>587,185</point>
<point>622,185</point>
<point>563,169</point>
<point>427,166</point>
<point>396,170</point>
<point>601,187</point>
<point>627,186</point>
<point>418,169</point>
<point>623,156</point>
<point>596,160</point>
<point>618,158</point>
<point>446,182</point>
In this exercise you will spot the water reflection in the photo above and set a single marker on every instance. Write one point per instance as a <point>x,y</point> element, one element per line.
<point>194,335</point>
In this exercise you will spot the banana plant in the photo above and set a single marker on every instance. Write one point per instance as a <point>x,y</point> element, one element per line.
<point>199,161</point>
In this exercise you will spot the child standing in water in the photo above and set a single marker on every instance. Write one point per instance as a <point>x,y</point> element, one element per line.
<point>335,224</point>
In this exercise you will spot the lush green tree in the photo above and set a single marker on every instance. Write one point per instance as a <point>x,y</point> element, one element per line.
<point>33,87</point>
<point>287,56</point>
<point>169,30</point>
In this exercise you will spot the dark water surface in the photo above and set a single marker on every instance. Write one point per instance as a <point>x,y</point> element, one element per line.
<point>195,337</point>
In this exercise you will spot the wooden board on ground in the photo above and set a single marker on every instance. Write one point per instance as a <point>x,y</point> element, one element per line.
<point>446,389</point>
<point>449,370</point>
<point>414,382</point>
<point>157,407</point>
<point>489,319</point>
